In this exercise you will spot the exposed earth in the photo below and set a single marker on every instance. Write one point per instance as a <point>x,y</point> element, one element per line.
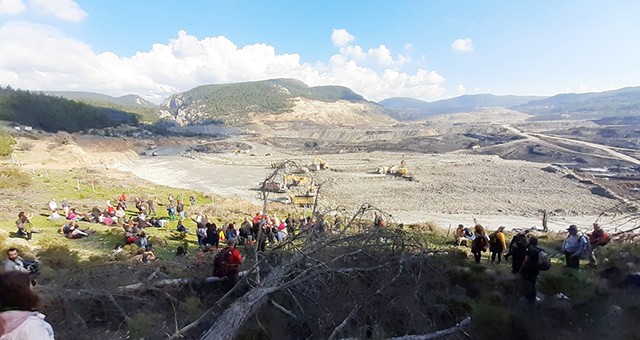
<point>501,174</point>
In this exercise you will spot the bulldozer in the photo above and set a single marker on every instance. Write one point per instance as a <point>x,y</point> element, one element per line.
<point>400,171</point>
<point>318,164</point>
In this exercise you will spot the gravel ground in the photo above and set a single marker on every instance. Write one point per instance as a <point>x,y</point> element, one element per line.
<point>448,188</point>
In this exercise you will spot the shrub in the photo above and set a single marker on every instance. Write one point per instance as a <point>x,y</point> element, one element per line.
<point>189,308</point>
<point>59,256</point>
<point>63,138</point>
<point>575,284</point>
<point>24,146</point>
<point>142,325</point>
<point>6,144</point>
<point>12,177</point>
<point>489,321</point>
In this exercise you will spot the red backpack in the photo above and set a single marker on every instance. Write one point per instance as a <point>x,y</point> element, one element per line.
<point>221,263</point>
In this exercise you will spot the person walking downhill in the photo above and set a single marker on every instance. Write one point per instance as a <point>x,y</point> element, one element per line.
<point>480,243</point>
<point>535,260</point>
<point>517,250</point>
<point>497,244</point>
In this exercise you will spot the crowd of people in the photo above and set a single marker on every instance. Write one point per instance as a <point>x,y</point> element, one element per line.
<point>527,259</point>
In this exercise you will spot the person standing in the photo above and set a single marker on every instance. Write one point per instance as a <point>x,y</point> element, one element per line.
<point>574,246</point>
<point>530,270</point>
<point>480,243</point>
<point>497,244</point>
<point>151,206</point>
<point>18,302</point>
<point>180,209</point>
<point>192,200</point>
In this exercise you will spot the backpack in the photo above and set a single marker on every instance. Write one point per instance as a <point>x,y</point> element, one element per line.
<point>544,263</point>
<point>221,263</point>
<point>493,238</point>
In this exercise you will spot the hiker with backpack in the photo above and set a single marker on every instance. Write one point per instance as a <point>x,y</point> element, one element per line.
<point>517,250</point>
<point>480,243</point>
<point>597,238</point>
<point>497,244</point>
<point>574,246</point>
<point>227,262</point>
<point>535,260</point>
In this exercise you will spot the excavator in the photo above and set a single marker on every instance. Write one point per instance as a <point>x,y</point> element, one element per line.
<point>400,171</point>
<point>319,164</point>
<point>292,180</point>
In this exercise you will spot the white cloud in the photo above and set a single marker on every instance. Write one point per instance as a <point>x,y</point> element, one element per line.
<point>340,37</point>
<point>462,45</point>
<point>461,89</point>
<point>61,9</point>
<point>585,89</point>
<point>39,57</point>
<point>11,7</point>
<point>379,56</point>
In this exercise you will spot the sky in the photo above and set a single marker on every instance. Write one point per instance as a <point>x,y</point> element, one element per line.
<point>427,50</point>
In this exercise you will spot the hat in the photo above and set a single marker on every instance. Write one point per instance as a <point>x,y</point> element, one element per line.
<point>572,227</point>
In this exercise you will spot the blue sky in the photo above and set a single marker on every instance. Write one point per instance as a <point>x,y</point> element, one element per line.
<point>427,50</point>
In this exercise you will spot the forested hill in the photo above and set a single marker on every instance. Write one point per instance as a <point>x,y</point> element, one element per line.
<point>232,103</point>
<point>54,114</point>
<point>144,109</point>
<point>617,103</point>
<point>414,109</point>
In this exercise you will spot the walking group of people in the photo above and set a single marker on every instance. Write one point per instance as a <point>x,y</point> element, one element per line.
<point>527,259</point>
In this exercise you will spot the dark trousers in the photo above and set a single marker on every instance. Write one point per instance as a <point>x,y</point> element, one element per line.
<point>477,255</point>
<point>572,262</point>
<point>494,254</point>
<point>517,260</point>
<point>529,289</point>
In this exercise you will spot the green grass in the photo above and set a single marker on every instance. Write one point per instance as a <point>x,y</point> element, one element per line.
<point>6,144</point>
<point>64,184</point>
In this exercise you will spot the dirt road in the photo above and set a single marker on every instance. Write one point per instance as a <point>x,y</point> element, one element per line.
<point>539,138</point>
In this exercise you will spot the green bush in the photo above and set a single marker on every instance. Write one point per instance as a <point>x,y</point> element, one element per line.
<point>59,256</point>
<point>576,284</point>
<point>6,144</point>
<point>142,325</point>
<point>12,177</point>
<point>189,309</point>
<point>489,321</point>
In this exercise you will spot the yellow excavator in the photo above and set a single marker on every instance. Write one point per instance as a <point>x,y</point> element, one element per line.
<point>319,164</point>
<point>294,181</point>
<point>395,170</point>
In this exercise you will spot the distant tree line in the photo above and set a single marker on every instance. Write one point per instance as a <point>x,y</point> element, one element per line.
<point>54,114</point>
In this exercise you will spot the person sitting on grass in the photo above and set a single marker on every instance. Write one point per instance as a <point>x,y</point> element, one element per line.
<point>148,254</point>
<point>71,230</point>
<point>130,236</point>
<point>22,222</point>
<point>181,228</point>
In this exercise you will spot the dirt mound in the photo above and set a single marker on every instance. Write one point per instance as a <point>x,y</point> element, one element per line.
<point>341,112</point>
